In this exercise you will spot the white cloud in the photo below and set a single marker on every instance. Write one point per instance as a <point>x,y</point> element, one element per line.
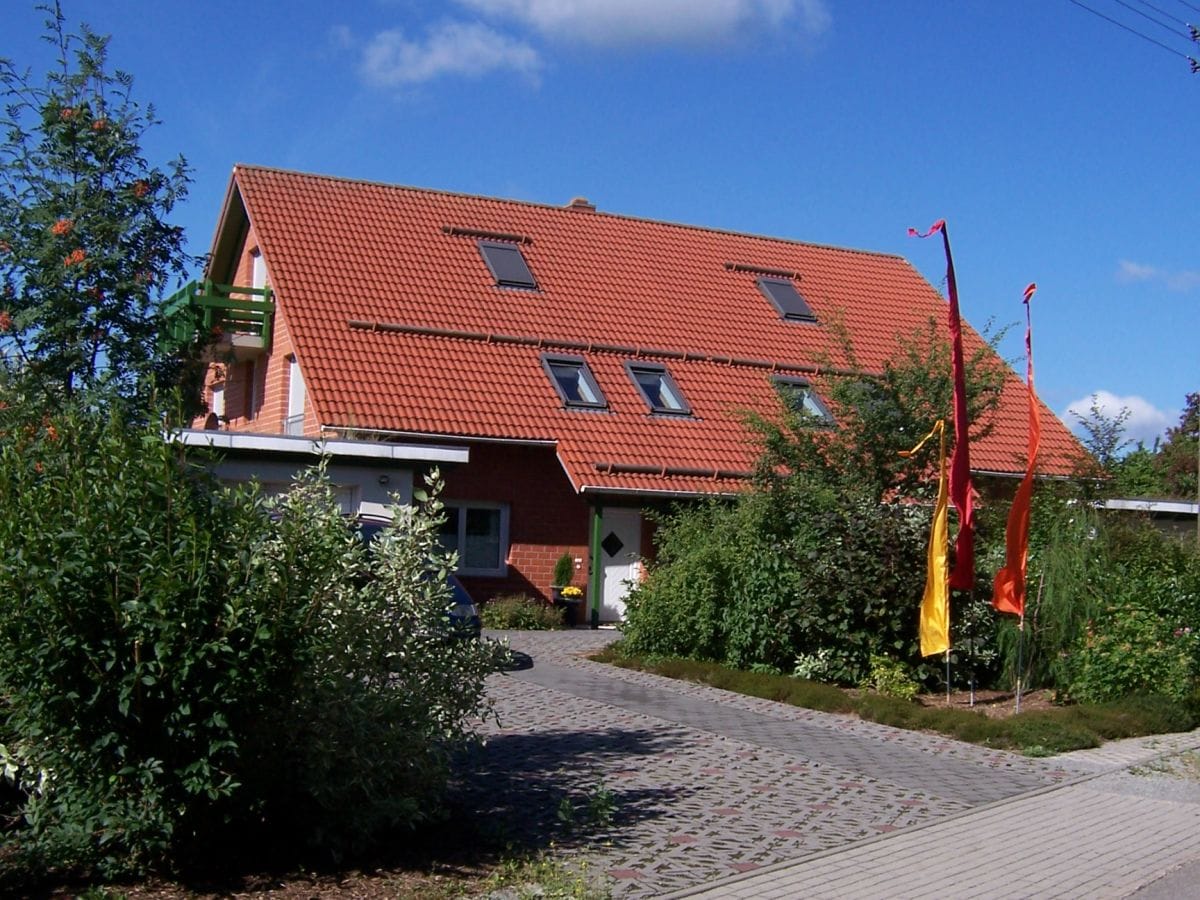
<point>617,22</point>
<point>1145,423</point>
<point>1129,272</point>
<point>469,49</point>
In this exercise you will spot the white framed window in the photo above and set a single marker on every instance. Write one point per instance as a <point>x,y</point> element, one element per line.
<point>217,407</point>
<point>258,270</point>
<point>478,531</point>
<point>294,422</point>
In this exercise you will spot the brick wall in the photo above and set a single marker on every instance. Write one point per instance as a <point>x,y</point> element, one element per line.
<point>546,517</point>
<point>256,392</point>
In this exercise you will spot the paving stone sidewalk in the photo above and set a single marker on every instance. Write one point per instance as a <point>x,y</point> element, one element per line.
<point>664,786</point>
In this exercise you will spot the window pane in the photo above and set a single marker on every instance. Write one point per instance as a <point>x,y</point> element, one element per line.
<point>481,548</point>
<point>786,299</point>
<point>508,265</point>
<point>572,383</point>
<point>448,532</point>
<point>658,390</point>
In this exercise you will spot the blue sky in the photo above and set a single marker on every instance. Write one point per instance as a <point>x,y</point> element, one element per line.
<point>1059,147</point>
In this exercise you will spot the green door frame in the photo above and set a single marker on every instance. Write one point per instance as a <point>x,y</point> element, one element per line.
<point>596,566</point>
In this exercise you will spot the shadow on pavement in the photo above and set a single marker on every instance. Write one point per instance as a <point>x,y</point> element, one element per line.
<point>567,787</point>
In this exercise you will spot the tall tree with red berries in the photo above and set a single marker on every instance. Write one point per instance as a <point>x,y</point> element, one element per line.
<point>85,245</point>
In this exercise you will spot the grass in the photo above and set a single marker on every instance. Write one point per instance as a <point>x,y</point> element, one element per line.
<point>1034,733</point>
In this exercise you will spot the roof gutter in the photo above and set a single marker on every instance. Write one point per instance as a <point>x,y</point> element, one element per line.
<point>597,491</point>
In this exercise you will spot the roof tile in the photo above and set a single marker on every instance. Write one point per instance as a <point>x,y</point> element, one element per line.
<point>343,250</point>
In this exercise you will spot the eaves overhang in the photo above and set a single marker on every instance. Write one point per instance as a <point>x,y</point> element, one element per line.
<point>288,445</point>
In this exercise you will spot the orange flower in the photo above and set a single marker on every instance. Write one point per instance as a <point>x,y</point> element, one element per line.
<point>52,432</point>
<point>66,113</point>
<point>5,321</point>
<point>37,467</point>
<point>76,258</point>
<point>140,188</point>
<point>99,125</point>
<point>62,226</point>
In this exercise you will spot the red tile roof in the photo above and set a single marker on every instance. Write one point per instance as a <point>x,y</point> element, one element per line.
<point>342,252</point>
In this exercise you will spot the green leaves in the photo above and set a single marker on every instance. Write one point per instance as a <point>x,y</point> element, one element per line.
<point>84,242</point>
<point>192,663</point>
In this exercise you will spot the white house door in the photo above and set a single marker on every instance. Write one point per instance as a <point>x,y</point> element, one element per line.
<point>620,555</point>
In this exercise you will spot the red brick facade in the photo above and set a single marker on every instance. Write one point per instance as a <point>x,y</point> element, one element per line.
<point>546,517</point>
<point>256,391</point>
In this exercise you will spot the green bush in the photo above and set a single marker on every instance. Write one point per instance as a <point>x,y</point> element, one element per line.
<point>520,612</point>
<point>1128,652</point>
<point>182,666</point>
<point>891,678</point>
<point>765,579</point>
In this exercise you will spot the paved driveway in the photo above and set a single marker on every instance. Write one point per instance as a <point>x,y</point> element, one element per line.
<point>666,786</point>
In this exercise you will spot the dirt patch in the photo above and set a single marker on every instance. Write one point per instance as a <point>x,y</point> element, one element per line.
<point>995,704</point>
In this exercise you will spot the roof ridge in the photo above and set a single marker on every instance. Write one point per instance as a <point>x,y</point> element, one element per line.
<point>667,223</point>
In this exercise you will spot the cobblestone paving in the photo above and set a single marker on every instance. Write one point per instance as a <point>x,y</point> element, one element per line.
<point>662,785</point>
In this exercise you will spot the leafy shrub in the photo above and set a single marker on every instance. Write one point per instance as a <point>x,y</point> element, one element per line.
<point>181,665</point>
<point>520,612</point>
<point>891,678</point>
<point>1128,652</point>
<point>801,572</point>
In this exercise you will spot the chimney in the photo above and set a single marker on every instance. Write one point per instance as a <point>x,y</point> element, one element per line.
<point>581,204</point>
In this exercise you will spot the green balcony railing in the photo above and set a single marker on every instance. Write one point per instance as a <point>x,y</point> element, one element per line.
<point>221,311</point>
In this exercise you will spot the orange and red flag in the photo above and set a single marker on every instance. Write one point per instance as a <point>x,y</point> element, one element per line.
<point>1008,590</point>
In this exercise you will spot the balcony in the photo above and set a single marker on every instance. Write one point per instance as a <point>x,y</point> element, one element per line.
<point>236,319</point>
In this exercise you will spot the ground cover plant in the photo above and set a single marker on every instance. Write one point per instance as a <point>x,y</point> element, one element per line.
<point>520,612</point>
<point>1037,732</point>
<point>186,670</point>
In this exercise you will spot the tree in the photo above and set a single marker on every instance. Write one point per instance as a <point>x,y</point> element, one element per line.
<point>84,242</point>
<point>1103,438</point>
<point>1178,455</point>
<point>878,415</point>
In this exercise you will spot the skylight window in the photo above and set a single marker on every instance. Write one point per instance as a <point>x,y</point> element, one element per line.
<point>574,382</point>
<point>658,388</point>
<point>508,265</point>
<point>800,397</point>
<point>784,297</point>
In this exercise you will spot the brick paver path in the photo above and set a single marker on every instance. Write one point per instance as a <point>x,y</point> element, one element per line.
<point>702,784</point>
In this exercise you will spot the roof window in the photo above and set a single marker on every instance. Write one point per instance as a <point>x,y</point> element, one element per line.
<point>658,388</point>
<point>798,394</point>
<point>508,265</point>
<point>786,298</point>
<point>574,382</point>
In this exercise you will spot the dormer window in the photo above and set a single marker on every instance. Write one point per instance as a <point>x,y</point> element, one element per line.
<point>799,396</point>
<point>574,382</point>
<point>507,265</point>
<point>658,388</point>
<point>786,299</point>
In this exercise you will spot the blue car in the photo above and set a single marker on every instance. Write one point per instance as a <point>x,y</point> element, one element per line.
<point>462,612</point>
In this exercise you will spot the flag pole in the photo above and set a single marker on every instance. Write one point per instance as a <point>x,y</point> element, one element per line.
<point>947,676</point>
<point>1020,664</point>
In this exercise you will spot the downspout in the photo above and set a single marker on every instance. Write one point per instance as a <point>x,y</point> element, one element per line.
<point>596,571</point>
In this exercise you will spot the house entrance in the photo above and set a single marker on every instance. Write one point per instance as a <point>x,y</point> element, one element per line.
<point>620,554</point>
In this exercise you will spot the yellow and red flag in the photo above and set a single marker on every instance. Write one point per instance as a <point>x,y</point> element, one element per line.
<point>962,578</point>
<point>1008,590</point>
<point>934,622</point>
